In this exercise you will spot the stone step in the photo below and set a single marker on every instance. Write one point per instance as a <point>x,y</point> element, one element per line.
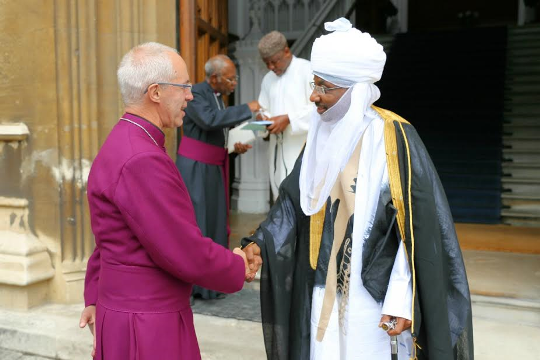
<point>519,129</point>
<point>524,137</point>
<point>521,197</point>
<point>510,117</point>
<point>520,186</point>
<point>522,208</point>
<point>507,180</point>
<point>515,101</point>
<point>524,29</point>
<point>521,165</point>
<point>513,91</point>
<point>520,218</point>
<point>522,213</point>
<point>529,110</point>
<point>521,76</point>
<point>532,38</point>
<point>522,51</point>
<point>521,138</point>
<point>521,157</point>
<point>524,41</point>
<point>523,80</point>
<point>519,132</point>
<point>520,221</point>
<point>516,62</point>
<point>530,70</point>
<point>521,189</point>
<point>532,144</point>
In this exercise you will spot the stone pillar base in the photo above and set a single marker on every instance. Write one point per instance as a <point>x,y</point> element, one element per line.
<point>74,286</point>
<point>25,263</point>
<point>23,297</point>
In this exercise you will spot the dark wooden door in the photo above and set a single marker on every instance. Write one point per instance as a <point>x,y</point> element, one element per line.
<point>203,33</point>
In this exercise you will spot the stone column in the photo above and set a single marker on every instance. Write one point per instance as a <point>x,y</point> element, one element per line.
<point>25,264</point>
<point>58,78</point>
<point>251,187</point>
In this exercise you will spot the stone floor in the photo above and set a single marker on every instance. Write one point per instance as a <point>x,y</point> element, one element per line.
<point>506,313</point>
<point>243,225</point>
<point>16,355</point>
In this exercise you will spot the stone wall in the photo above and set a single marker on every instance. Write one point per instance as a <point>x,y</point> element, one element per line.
<point>58,101</point>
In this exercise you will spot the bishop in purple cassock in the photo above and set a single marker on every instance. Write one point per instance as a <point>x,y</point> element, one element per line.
<point>141,273</point>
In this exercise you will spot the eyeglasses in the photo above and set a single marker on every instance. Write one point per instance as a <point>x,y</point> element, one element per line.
<point>185,86</point>
<point>233,80</point>
<point>321,89</point>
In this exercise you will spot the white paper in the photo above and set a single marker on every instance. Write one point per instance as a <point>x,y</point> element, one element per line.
<point>238,135</point>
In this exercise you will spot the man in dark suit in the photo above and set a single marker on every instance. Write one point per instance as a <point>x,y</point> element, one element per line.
<point>202,155</point>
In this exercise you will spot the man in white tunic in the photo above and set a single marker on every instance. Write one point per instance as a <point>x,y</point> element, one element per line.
<point>284,97</point>
<point>361,233</point>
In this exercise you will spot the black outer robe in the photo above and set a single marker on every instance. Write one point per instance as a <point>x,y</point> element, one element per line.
<point>205,122</point>
<point>443,318</point>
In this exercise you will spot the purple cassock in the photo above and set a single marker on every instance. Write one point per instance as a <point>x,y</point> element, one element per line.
<point>142,270</point>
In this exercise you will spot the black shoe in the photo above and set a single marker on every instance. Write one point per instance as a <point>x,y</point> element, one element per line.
<point>221,296</point>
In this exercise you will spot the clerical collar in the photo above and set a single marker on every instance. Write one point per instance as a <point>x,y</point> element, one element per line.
<point>217,93</point>
<point>156,133</point>
<point>339,109</point>
<point>148,121</point>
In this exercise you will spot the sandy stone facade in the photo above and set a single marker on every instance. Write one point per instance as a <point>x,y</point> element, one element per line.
<point>59,99</point>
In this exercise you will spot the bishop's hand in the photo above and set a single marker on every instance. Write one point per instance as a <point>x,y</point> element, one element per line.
<point>88,316</point>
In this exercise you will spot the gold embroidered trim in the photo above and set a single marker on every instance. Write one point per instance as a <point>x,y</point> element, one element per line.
<point>409,191</point>
<point>345,277</point>
<point>315,236</point>
<point>397,192</point>
<point>394,175</point>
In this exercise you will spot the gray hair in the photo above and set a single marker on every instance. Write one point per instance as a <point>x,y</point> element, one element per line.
<point>271,43</point>
<point>215,65</point>
<point>142,66</point>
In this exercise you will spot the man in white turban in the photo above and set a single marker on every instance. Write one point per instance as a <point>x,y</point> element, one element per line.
<point>360,245</point>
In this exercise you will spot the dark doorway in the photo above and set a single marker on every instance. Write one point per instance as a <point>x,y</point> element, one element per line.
<point>444,14</point>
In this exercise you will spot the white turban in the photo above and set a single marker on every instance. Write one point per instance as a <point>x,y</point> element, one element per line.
<point>346,58</point>
<point>347,55</point>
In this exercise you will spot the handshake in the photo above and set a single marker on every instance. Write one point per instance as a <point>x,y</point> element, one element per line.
<point>252,259</point>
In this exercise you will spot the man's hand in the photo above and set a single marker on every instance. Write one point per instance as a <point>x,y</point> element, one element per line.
<point>254,106</point>
<point>88,316</point>
<point>280,124</point>
<point>261,116</point>
<point>240,148</point>
<point>253,255</point>
<point>401,325</point>
<point>239,252</point>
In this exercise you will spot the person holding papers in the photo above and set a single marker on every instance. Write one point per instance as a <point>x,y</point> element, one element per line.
<point>202,155</point>
<point>284,96</point>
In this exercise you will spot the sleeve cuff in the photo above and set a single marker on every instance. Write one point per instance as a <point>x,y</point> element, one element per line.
<point>398,300</point>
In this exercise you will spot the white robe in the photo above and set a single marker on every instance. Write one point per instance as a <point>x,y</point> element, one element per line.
<point>287,94</point>
<point>359,336</point>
